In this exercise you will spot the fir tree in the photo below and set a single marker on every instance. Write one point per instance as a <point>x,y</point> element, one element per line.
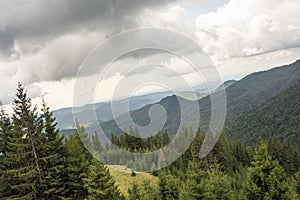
<point>22,171</point>
<point>266,179</point>
<point>5,126</point>
<point>99,183</point>
<point>207,184</point>
<point>78,162</point>
<point>52,154</point>
<point>168,186</point>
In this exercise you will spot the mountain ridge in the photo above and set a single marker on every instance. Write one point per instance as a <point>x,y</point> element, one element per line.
<point>252,90</point>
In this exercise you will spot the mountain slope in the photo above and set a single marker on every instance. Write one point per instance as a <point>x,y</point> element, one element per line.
<point>65,118</point>
<point>259,87</point>
<point>104,111</point>
<point>279,117</point>
<point>253,90</point>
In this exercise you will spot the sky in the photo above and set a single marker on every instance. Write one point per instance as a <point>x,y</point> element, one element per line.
<point>43,43</point>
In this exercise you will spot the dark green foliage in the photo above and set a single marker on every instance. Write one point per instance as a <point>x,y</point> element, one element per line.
<point>242,153</point>
<point>87,177</point>
<point>5,126</point>
<point>134,143</point>
<point>32,160</point>
<point>143,191</point>
<point>169,186</point>
<point>222,174</point>
<point>99,183</point>
<point>36,162</point>
<point>79,160</point>
<point>285,153</point>
<point>21,173</point>
<point>266,179</point>
<point>279,117</point>
<point>210,183</point>
<point>223,154</point>
<point>52,154</point>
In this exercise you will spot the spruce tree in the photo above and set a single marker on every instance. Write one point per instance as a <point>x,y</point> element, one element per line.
<point>52,154</point>
<point>5,126</point>
<point>266,179</point>
<point>168,186</point>
<point>78,162</point>
<point>99,183</point>
<point>97,146</point>
<point>209,183</point>
<point>22,171</point>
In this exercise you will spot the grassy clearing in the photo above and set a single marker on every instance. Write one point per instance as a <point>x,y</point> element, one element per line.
<point>124,180</point>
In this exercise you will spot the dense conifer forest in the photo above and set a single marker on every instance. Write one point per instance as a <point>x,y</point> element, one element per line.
<point>36,162</point>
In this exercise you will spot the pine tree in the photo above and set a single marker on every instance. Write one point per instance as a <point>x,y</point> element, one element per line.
<point>207,184</point>
<point>99,183</point>
<point>266,179</point>
<point>168,186</point>
<point>52,154</point>
<point>97,146</point>
<point>222,152</point>
<point>5,126</point>
<point>217,185</point>
<point>78,162</point>
<point>148,191</point>
<point>165,138</point>
<point>22,171</point>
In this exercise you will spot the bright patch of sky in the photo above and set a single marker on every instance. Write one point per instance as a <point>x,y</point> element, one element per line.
<point>194,8</point>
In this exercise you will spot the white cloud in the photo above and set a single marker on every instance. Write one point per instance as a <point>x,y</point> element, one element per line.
<point>174,18</point>
<point>56,52</point>
<point>246,28</point>
<point>43,44</point>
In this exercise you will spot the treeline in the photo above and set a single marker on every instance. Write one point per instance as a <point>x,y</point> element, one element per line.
<point>37,163</point>
<point>134,143</point>
<point>232,170</point>
<point>143,154</point>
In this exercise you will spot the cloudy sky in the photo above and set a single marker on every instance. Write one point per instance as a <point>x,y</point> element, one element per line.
<point>43,43</point>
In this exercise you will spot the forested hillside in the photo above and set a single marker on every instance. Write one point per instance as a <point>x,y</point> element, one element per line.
<point>278,117</point>
<point>38,163</point>
<point>253,90</point>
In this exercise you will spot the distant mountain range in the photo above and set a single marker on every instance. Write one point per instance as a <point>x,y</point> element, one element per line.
<point>65,119</point>
<point>253,90</point>
<point>255,93</point>
<point>103,110</point>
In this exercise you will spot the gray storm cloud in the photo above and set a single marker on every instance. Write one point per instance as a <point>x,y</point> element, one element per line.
<point>37,20</point>
<point>48,40</point>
